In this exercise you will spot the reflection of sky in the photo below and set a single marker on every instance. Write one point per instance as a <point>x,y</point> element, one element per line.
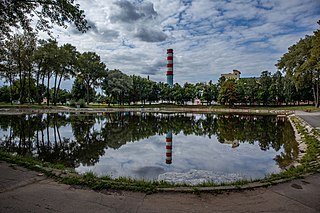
<point>192,155</point>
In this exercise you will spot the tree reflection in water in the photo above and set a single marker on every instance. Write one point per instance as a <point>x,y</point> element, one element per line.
<point>73,139</point>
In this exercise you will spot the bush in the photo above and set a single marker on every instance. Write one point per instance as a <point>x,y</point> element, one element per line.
<point>82,103</point>
<point>72,103</point>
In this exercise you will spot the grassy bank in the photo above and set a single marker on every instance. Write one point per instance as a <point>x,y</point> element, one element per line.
<point>310,163</point>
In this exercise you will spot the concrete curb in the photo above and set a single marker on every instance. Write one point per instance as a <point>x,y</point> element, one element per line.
<point>248,186</point>
<point>16,111</point>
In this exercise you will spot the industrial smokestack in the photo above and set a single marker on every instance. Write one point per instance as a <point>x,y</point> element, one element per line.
<point>170,67</point>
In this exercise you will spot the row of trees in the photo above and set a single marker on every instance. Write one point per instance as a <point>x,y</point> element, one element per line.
<point>29,67</point>
<point>267,90</point>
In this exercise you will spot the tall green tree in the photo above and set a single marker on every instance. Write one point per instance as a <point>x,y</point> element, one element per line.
<point>5,94</point>
<point>210,92</point>
<point>302,61</point>
<point>19,60</point>
<point>48,59</point>
<point>178,93</point>
<point>79,90</point>
<point>90,69</point>
<point>276,90</point>
<point>165,92</point>
<point>265,83</point>
<point>8,65</point>
<point>65,66</point>
<point>117,86</point>
<point>251,90</point>
<point>228,93</point>
<point>189,93</point>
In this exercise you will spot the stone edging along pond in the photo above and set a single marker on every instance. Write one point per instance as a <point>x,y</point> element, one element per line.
<point>8,111</point>
<point>308,160</point>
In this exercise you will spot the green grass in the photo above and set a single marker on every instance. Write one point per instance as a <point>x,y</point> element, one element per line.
<point>309,162</point>
<point>309,108</point>
<point>25,106</point>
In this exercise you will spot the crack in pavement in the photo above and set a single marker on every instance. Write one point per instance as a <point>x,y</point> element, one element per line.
<point>22,184</point>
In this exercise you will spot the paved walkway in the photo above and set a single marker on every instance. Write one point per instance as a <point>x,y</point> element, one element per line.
<point>313,119</point>
<point>22,190</point>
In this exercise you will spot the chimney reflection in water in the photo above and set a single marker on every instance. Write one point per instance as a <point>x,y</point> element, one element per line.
<point>169,147</point>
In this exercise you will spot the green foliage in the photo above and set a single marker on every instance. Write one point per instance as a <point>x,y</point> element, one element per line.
<point>90,69</point>
<point>302,64</point>
<point>81,103</point>
<point>24,95</point>
<point>72,102</point>
<point>265,83</point>
<point>5,94</point>
<point>228,93</point>
<point>210,93</point>
<point>16,14</point>
<point>63,96</point>
<point>117,86</point>
<point>79,90</point>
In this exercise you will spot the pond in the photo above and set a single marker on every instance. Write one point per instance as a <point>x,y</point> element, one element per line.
<point>175,147</point>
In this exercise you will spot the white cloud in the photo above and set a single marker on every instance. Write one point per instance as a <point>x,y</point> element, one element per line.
<point>208,37</point>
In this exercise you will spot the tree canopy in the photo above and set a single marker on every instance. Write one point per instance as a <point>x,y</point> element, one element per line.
<point>302,62</point>
<point>20,14</point>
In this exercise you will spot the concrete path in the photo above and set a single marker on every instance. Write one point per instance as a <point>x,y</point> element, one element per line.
<point>312,118</point>
<point>22,190</point>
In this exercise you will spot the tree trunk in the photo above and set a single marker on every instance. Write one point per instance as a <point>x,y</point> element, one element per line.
<point>48,89</point>
<point>318,82</point>
<point>317,96</point>
<point>314,91</point>
<point>29,85</point>
<point>10,89</point>
<point>20,77</point>
<point>37,86</point>
<point>55,90</point>
<point>58,88</point>
<point>40,91</point>
<point>88,99</point>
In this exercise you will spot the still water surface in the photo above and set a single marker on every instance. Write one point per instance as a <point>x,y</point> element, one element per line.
<point>179,148</point>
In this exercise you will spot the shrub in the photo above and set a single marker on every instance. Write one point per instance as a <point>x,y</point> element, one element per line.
<point>82,103</point>
<point>72,103</point>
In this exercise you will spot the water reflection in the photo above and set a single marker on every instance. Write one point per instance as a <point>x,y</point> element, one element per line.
<point>169,147</point>
<point>132,144</point>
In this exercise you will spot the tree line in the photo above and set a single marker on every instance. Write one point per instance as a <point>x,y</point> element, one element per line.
<point>29,66</point>
<point>34,70</point>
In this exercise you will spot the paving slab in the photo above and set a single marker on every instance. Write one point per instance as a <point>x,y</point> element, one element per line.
<point>13,176</point>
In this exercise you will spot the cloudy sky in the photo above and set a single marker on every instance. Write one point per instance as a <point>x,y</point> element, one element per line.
<point>209,37</point>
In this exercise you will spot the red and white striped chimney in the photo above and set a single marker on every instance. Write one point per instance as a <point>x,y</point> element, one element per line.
<point>170,67</point>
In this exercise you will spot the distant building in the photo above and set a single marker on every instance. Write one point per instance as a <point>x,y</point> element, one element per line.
<point>234,75</point>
